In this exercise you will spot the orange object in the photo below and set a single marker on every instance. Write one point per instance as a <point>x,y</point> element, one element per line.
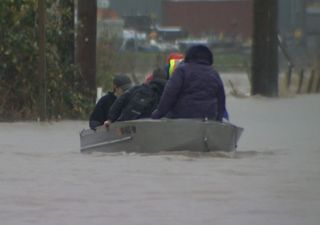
<point>176,56</point>
<point>173,61</point>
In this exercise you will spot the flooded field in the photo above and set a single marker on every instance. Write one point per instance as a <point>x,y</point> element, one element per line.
<point>273,178</point>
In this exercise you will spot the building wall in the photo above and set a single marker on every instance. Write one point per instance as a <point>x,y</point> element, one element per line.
<point>137,7</point>
<point>203,17</point>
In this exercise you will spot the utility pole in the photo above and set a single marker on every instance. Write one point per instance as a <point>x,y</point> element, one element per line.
<point>264,80</point>
<point>42,60</point>
<point>86,45</point>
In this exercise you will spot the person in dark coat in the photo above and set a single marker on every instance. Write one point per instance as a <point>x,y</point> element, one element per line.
<point>128,107</point>
<point>121,83</point>
<point>195,90</point>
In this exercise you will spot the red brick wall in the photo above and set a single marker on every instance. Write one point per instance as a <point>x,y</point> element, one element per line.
<point>199,17</point>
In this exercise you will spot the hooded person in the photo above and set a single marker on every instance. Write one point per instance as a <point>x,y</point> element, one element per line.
<point>140,101</point>
<point>195,90</point>
<point>120,84</point>
<point>158,82</point>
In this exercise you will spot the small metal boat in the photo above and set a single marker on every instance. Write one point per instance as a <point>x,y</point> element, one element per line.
<point>152,136</point>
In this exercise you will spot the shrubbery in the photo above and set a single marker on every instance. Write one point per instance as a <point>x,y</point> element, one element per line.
<point>19,79</point>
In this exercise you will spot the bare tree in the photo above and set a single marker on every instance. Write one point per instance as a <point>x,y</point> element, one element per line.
<point>264,78</point>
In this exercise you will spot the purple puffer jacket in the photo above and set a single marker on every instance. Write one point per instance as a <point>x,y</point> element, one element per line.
<point>194,90</point>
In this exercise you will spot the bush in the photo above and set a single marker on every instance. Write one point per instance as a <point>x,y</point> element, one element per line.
<point>19,83</point>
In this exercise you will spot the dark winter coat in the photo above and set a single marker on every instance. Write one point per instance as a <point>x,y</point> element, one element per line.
<point>101,110</point>
<point>195,90</point>
<point>121,110</point>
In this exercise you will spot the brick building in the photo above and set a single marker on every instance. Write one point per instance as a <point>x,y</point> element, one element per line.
<point>232,17</point>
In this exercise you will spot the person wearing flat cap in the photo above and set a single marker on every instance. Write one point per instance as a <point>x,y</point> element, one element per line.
<point>120,84</point>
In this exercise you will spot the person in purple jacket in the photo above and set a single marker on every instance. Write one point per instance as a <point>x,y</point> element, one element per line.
<point>195,90</point>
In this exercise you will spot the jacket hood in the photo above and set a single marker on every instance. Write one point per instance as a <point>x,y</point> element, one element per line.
<point>199,54</point>
<point>158,85</point>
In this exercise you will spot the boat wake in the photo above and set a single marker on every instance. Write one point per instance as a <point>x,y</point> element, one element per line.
<point>190,155</point>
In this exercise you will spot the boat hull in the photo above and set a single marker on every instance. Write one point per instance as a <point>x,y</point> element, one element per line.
<point>151,136</point>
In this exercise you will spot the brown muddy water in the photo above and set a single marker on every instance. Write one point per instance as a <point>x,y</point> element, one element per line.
<point>273,178</point>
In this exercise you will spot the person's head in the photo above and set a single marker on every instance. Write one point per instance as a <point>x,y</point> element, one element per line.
<point>159,74</point>
<point>199,54</point>
<point>121,83</point>
<point>148,78</point>
<point>173,61</point>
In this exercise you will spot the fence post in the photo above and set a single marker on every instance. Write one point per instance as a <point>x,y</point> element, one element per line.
<point>289,76</point>
<point>309,90</point>
<point>318,83</point>
<point>99,93</point>
<point>300,81</point>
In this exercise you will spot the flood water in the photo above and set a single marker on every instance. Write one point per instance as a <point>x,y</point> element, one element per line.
<point>273,178</point>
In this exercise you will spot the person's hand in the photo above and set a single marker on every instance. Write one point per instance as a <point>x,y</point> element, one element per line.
<point>107,123</point>
<point>155,114</point>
